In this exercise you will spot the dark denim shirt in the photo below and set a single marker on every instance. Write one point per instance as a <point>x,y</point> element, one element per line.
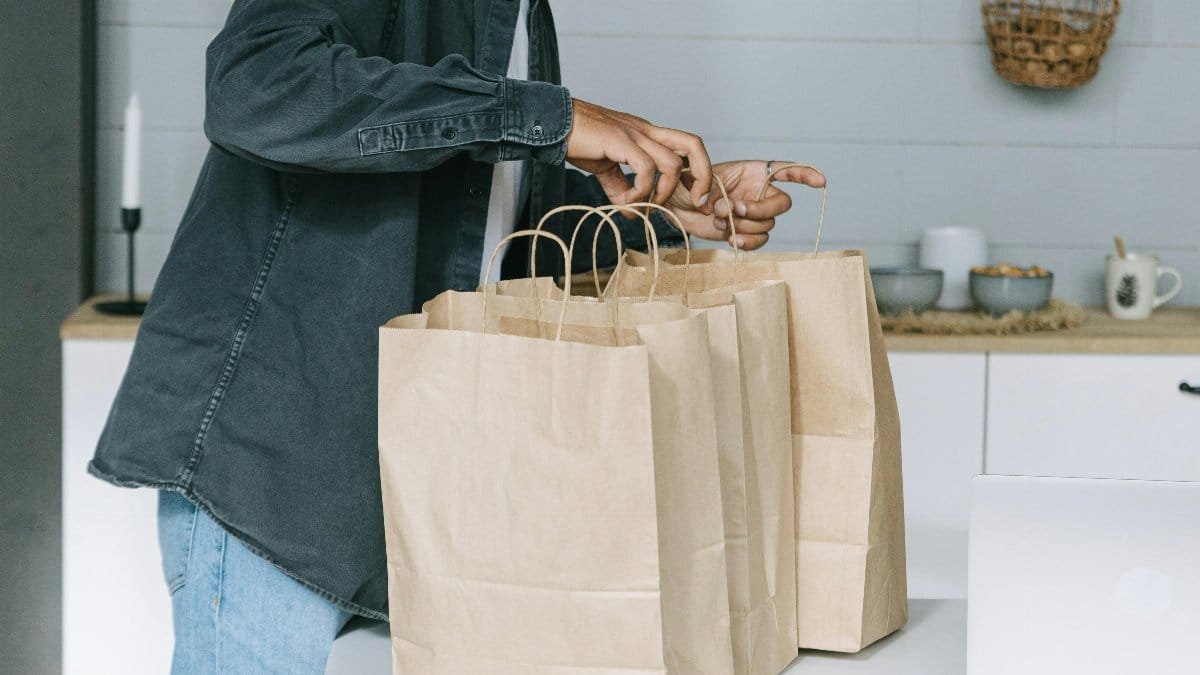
<point>347,183</point>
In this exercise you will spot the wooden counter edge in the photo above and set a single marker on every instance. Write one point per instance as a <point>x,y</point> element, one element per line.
<point>1171,331</point>
<point>85,323</point>
<point>1174,330</point>
<point>1011,345</point>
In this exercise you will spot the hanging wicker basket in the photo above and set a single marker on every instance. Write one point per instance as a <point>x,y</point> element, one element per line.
<point>1049,43</point>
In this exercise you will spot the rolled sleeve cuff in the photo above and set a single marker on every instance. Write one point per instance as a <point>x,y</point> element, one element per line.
<point>537,120</point>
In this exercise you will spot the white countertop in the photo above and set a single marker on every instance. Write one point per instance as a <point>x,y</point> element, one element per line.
<point>933,643</point>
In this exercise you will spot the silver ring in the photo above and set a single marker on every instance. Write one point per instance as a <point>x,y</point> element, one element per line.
<point>770,166</point>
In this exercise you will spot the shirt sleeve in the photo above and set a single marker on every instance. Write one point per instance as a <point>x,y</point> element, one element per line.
<point>288,86</point>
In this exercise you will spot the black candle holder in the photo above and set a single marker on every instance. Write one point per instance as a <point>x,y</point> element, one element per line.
<point>131,219</point>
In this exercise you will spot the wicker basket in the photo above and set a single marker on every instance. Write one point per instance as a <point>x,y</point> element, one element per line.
<point>1049,43</point>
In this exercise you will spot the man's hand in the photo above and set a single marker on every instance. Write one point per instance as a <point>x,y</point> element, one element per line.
<point>601,140</point>
<point>752,218</point>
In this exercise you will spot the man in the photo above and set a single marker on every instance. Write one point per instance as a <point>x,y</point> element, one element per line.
<point>363,152</point>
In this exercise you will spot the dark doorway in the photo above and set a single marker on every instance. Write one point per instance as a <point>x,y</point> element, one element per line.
<point>46,171</point>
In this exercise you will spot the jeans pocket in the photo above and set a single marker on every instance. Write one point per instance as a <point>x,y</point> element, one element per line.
<point>176,527</point>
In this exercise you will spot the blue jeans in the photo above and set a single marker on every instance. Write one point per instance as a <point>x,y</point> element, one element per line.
<point>234,612</point>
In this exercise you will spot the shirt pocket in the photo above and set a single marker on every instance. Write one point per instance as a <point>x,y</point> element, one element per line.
<point>176,530</point>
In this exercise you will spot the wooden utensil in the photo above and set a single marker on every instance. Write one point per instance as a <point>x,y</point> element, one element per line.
<point>1120,247</point>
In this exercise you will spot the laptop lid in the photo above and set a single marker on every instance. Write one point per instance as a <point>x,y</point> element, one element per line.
<point>1069,575</point>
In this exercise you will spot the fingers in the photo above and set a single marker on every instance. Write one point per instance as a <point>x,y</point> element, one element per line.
<point>668,164</point>
<point>643,168</point>
<point>748,226</point>
<point>775,203</point>
<point>751,235</point>
<point>744,225</point>
<point>803,175</point>
<point>751,242</point>
<point>601,138</point>
<point>614,182</point>
<point>699,163</point>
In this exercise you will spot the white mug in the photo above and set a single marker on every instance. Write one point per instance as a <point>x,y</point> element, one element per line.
<point>954,251</point>
<point>1131,285</point>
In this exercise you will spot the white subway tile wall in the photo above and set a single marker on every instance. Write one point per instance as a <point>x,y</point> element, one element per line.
<point>894,99</point>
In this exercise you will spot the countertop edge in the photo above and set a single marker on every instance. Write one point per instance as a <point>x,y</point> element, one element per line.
<point>1172,331</point>
<point>85,323</point>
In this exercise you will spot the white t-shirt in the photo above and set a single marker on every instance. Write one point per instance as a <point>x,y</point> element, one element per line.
<point>508,178</point>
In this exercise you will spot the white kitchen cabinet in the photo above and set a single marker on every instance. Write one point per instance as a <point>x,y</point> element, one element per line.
<point>116,612</point>
<point>941,398</point>
<point>1093,416</point>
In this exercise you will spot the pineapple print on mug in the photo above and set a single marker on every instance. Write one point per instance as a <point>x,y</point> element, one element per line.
<point>1127,292</point>
<point>1131,284</point>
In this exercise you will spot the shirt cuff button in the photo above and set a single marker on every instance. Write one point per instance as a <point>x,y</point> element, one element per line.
<point>449,133</point>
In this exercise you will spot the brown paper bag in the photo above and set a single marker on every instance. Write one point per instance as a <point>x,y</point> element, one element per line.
<point>851,583</point>
<point>749,349</point>
<point>551,505</point>
<point>747,330</point>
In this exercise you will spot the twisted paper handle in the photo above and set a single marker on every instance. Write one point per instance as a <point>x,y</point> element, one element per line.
<point>824,196</point>
<point>642,209</point>
<point>562,317</point>
<point>587,211</point>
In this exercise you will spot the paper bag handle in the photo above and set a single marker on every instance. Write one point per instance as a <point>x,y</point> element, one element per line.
<point>733,235</point>
<point>824,196</point>
<point>605,213</point>
<point>673,219</point>
<point>651,240</point>
<point>587,211</point>
<point>562,318</point>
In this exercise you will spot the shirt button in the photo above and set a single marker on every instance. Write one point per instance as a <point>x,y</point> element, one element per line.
<point>537,131</point>
<point>449,133</point>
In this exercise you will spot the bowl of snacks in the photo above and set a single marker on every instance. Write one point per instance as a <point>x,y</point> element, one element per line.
<point>1000,289</point>
<point>905,289</point>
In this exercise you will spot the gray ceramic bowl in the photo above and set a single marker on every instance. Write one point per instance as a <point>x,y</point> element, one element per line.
<point>900,289</point>
<point>1000,295</point>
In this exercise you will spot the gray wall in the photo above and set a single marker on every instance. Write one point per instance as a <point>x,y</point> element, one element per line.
<point>894,99</point>
<point>155,47</point>
<point>45,186</point>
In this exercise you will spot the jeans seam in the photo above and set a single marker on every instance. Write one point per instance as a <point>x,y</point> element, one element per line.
<point>188,555</point>
<point>217,601</point>
<point>239,337</point>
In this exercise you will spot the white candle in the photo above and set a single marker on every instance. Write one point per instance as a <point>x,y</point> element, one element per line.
<point>131,173</point>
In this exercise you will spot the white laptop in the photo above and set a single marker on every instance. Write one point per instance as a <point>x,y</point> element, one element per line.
<point>1088,576</point>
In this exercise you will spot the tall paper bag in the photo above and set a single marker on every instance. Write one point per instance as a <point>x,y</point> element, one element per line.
<point>551,505</point>
<point>851,581</point>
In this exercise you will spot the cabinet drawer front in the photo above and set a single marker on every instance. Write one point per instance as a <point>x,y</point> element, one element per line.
<point>1093,416</point>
